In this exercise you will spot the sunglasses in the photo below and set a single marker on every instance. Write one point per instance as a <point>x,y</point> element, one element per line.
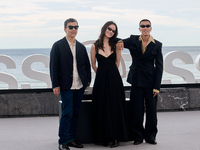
<point>143,26</point>
<point>71,27</point>
<point>111,30</point>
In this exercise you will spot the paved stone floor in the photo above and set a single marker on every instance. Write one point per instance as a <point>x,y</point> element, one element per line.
<point>177,131</point>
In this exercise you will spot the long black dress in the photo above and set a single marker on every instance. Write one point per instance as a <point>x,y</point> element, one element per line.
<point>108,101</point>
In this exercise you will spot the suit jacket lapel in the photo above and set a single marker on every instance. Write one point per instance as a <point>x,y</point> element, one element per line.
<point>67,47</point>
<point>139,47</point>
<point>149,48</point>
<point>77,50</point>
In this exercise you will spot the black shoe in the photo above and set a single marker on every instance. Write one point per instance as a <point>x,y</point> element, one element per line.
<point>63,147</point>
<point>73,143</point>
<point>115,143</point>
<point>137,142</point>
<point>105,143</point>
<point>152,142</point>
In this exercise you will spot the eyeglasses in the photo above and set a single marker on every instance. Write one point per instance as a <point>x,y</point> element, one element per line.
<point>71,27</point>
<point>143,26</point>
<point>111,30</point>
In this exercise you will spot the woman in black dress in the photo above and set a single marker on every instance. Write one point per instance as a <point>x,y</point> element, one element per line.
<point>108,91</point>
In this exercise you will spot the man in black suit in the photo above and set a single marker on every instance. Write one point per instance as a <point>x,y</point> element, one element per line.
<point>145,77</point>
<point>70,73</point>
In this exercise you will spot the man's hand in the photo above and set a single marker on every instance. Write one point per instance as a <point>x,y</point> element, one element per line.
<point>154,94</point>
<point>120,45</point>
<point>56,91</point>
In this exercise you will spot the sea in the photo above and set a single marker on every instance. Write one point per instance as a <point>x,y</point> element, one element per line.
<point>19,55</point>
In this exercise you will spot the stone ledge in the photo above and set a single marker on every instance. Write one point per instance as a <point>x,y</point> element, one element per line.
<point>173,99</point>
<point>45,103</point>
<point>23,104</point>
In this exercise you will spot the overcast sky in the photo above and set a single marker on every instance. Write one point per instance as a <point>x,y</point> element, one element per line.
<point>39,23</point>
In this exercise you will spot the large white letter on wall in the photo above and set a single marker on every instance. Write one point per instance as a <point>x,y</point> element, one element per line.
<point>197,63</point>
<point>7,78</point>
<point>170,68</point>
<point>37,75</point>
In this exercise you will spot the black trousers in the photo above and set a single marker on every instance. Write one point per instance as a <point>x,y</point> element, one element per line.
<point>141,100</point>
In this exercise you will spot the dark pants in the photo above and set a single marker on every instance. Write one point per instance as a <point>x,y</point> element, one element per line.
<point>141,100</point>
<point>71,101</point>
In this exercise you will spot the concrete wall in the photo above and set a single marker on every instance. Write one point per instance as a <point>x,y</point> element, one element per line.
<point>45,103</point>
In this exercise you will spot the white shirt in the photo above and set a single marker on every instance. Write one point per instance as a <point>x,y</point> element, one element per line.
<point>76,83</point>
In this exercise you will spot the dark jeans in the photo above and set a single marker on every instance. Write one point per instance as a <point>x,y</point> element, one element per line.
<point>71,101</point>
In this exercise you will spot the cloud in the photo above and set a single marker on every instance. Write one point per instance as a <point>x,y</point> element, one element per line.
<point>24,18</point>
<point>12,7</point>
<point>134,15</point>
<point>33,13</point>
<point>41,18</point>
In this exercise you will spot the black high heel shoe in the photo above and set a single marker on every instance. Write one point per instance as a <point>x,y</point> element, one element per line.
<point>115,143</point>
<point>105,143</point>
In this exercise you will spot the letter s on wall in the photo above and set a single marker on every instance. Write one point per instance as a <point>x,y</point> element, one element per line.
<point>7,78</point>
<point>197,63</point>
<point>37,75</point>
<point>170,68</point>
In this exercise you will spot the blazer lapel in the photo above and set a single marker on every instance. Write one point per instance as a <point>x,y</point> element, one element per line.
<point>139,47</point>
<point>149,48</point>
<point>77,50</point>
<point>67,47</point>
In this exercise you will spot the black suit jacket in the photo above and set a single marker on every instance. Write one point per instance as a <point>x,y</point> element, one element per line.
<point>146,69</point>
<point>61,64</point>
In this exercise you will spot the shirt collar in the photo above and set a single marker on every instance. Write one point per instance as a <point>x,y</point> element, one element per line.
<point>151,39</point>
<point>70,43</point>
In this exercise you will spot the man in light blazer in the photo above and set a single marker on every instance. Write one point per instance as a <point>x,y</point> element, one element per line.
<point>70,73</point>
<point>145,77</point>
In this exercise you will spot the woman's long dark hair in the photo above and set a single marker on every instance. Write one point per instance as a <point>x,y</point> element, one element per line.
<point>112,40</point>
